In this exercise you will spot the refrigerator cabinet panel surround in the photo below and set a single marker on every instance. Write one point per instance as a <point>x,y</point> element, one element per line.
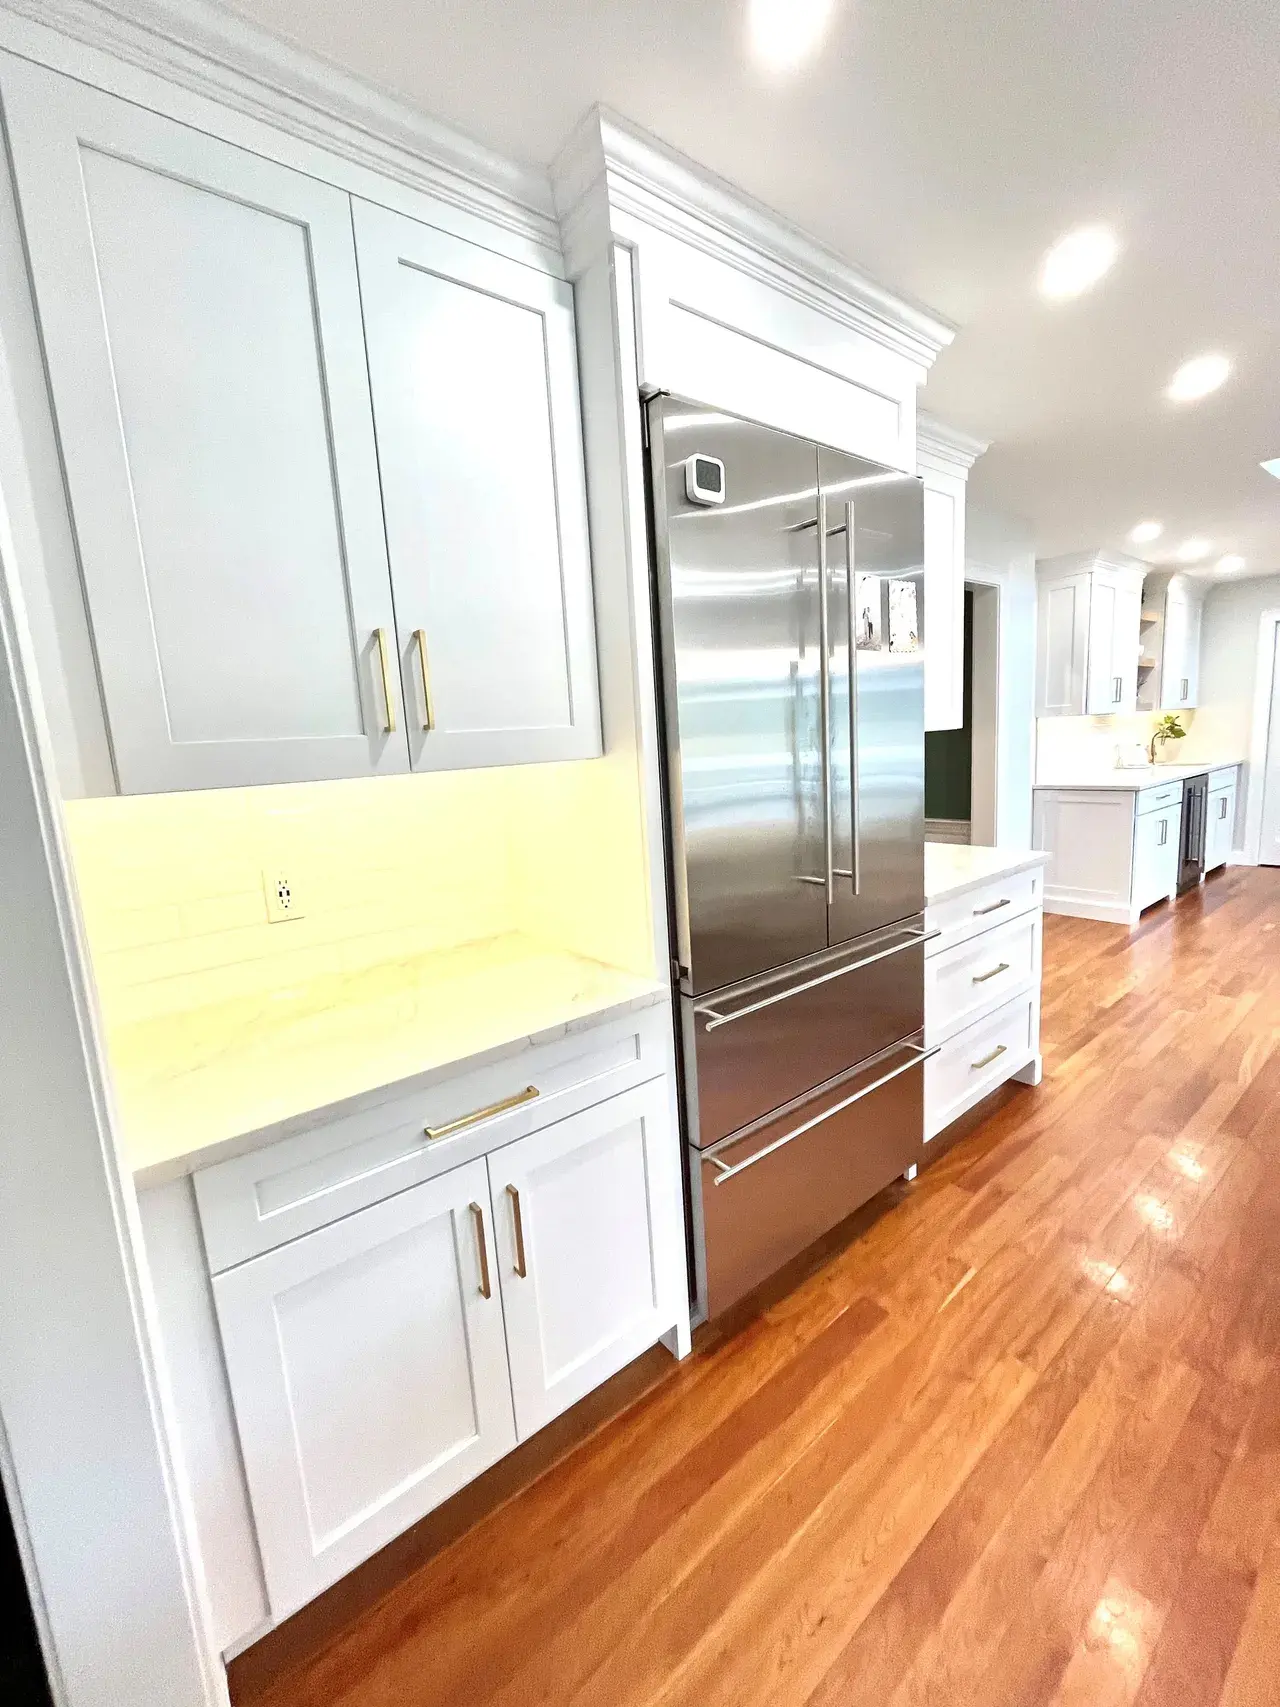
<point>789,600</point>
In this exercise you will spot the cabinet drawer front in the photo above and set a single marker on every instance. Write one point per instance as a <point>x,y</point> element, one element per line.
<point>269,1196</point>
<point>976,1060</point>
<point>963,916</point>
<point>368,1371</point>
<point>977,976</point>
<point>1157,799</point>
<point>589,1235</point>
<point>1225,778</point>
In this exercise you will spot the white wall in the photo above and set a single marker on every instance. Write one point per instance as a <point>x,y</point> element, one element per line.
<point>999,549</point>
<point>1223,726</point>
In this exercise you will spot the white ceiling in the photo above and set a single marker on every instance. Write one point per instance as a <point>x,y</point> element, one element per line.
<point>942,145</point>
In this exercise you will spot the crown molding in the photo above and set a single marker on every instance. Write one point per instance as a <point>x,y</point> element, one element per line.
<point>946,449</point>
<point>211,52</point>
<point>639,175</point>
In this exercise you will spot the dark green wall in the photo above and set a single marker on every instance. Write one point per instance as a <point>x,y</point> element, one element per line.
<point>948,753</point>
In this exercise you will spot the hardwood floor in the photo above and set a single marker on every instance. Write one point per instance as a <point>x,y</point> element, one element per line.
<point>1018,1443</point>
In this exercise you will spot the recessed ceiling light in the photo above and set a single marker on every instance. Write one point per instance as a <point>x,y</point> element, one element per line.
<point>1272,467</point>
<point>1145,532</point>
<point>1197,378</point>
<point>785,32</point>
<point>1077,261</point>
<point>1193,550</point>
<point>1231,564</point>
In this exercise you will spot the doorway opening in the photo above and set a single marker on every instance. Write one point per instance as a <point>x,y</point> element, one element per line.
<point>1263,830</point>
<point>960,765</point>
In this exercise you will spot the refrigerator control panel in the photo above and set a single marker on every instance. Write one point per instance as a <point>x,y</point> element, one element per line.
<point>704,480</point>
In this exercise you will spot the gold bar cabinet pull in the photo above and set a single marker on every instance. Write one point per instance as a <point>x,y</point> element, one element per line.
<point>478,1114</point>
<point>986,977</point>
<point>517,1222</point>
<point>999,1050</point>
<point>482,1246</point>
<point>428,704</point>
<point>388,692</point>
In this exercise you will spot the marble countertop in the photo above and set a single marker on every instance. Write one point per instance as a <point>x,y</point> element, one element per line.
<point>194,1087</point>
<point>950,869</point>
<point>1134,780</point>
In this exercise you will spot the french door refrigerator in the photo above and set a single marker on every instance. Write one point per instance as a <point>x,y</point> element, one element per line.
<point>789,583</point>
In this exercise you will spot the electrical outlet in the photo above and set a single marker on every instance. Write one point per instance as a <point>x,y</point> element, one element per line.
<point>283,900</point>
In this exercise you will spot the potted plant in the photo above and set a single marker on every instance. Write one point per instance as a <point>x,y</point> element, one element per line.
<point>1169,728</point>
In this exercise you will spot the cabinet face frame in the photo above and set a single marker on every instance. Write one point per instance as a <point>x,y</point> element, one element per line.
<point>52,120</point>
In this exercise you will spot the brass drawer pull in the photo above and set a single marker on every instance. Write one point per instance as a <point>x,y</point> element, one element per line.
<point>981,912</point>
<point>517,1225</point>
<point>482,1246</point>
<point>999,1050</point>
<point>464,1120</point>
<point>985,977</point>
<point>388,692</point>
<point>428,703</point>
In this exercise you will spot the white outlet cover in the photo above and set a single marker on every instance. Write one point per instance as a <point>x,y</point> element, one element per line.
<point>283,901</point>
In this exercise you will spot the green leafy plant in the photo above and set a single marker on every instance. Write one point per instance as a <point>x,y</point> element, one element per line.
<point>1169,728</point>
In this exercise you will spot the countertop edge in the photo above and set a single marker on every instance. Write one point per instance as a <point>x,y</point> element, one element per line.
<point>1026,860</point>
<point>173,1168</point>
<point>1138,784</point>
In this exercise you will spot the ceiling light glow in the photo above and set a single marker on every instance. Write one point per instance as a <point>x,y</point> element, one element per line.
<point>1231,564</point>
<point>1076,262</point>
<point>1193,550</point>
<point>1272,467</point>
<point>1197,378</point>
<point>785,32</point>
<point>1145,532</point>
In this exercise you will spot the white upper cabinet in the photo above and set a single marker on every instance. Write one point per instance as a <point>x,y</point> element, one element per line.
<point>200,313</point>
<point>944,458</point>
<point>475,395</point>
<point>1088,637</point>
<point>1173,606</point>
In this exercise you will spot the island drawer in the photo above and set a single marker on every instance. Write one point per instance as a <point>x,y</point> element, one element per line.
<point>268,1196</point>
<point>960,917</point>
<point>977,1060</point>
<point>974,977</point>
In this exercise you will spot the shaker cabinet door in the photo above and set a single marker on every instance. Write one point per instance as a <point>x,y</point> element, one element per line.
<point>200,312</point>
<point>589,1234</point>
<point>369,1374</point>
<point>475,394</point>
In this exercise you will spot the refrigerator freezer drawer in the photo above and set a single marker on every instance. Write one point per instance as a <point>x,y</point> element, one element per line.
<point>767,1197</point>
<point>757,1046</point>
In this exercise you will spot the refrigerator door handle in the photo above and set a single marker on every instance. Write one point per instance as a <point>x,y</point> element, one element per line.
<point>724,1172</point>
<point>855,777</point>
<point>824,651</point>
<point>715,1018</point>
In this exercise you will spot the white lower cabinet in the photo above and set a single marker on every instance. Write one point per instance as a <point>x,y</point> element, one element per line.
<point>1220,831</point>
<point>381,1361</point>
<point>1157,838</point>
<point>368,1372</point>
<point>582,1212</point>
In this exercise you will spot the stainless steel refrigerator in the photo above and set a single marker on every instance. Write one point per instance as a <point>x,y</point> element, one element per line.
<point>789,584</point>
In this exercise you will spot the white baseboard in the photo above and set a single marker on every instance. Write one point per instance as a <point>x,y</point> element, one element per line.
<point>958,832</point>
<point>1106,912</point>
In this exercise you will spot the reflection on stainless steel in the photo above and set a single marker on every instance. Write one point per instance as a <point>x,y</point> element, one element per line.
<point>796,771</point>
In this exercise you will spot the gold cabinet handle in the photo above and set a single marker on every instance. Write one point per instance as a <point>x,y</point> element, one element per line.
<point>482,1246</point>
<point>388,693</point>
<point>473,1119</point>
<point>999,1050</point>
<point>428,703</point>
<point>981,912</point>
<point>517,1224</point>
<point>986,977</point>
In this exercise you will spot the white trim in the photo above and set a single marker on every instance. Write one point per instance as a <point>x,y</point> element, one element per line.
<point>76,1354</point>
<point>990,582</point>
<point>644,178</point>
<point>213,53</point>
<point>1263,689</point>
<point>946,450</point>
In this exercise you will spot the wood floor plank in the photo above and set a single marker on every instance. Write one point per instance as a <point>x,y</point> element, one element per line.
<point>1011,1438</point>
